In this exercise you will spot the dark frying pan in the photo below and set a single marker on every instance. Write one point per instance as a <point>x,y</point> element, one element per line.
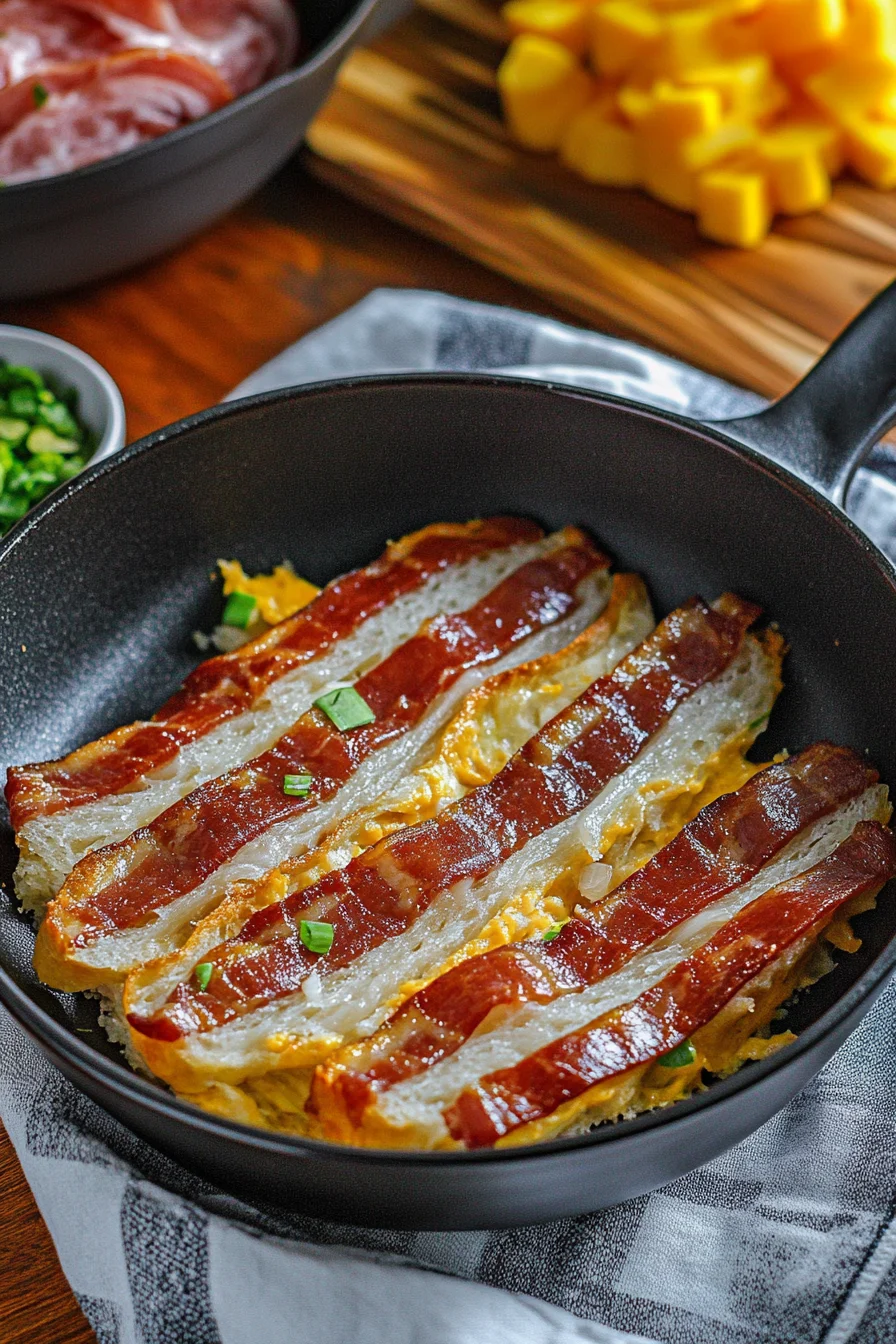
<point>102,586</point>
<point>88,224</point>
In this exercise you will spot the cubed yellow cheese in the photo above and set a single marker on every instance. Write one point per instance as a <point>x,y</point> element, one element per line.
<point>564,21</point>
<point>870,28</point>
<point>542,86</point>
<point>795,134</point>
<point>600,151</point>
<point>786,27</point>
<point>664,176</point>
<point>678,112</point>
<point>622,33</point>
<point>690,40</point>
<point>796,176</point>
<point>741,84</point>
<point>733,207</point>
<point>705,151</point>
<point>853,87</point>
<point>634,102</point>
<point>871,150</point>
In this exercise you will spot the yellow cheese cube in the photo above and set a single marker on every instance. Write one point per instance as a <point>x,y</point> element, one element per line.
<point>853,87</point>
<point>801,132</point>
<point>741,84</point>
<point>600,151</point>
<point>870,28</point>
<point>786,27</point>
<point>634,102</point>
<point>679,112</point>
<point>690,40</point>
<point>542,86</point>
<point>733,207</point>
<point>796,176</point>
<point>871,150</point>
<point>663,174</point>
<point>622,33</point>
<point>564,21</point>
<point>704,151</point>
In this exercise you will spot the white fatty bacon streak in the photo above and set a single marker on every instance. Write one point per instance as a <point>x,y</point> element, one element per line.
<point>421,1100</point>
<point>356,999</point>
<point>51,846</point>
<point>517,711</point>
<point>122,950</point>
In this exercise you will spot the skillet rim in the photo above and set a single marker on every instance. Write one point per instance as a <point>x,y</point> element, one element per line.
<point>61,1041</point>
<point>356,15</point>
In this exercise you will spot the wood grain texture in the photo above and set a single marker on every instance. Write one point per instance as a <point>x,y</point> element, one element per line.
<point>177,335</point>
<point>414,129</point>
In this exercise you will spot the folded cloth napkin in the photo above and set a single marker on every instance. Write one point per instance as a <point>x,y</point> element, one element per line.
<point>789,1238</point>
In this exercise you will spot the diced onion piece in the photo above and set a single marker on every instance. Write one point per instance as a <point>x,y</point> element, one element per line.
<point>594,881</point>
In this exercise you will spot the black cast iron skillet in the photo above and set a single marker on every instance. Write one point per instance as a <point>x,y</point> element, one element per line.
<point>85,225</point>
<point>102,586</point>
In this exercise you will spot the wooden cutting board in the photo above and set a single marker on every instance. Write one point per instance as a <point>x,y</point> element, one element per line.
<point>413,129</point>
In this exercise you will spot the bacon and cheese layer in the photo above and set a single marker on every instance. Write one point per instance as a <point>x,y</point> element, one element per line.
<point>722,848</point>
<point>598,774</point>
<point>686,999</point>
<point>135,900</point>
<point>615,956</point>
<point>235,706</point>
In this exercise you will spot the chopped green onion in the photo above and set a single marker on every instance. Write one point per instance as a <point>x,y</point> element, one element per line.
<point>23,402</point>
<point>677,1058</point>
<point>550,934</point>
<point>345,708</point>
<point>13,431</point>
<point>316,935</point>
<point>39,94</point>
<point>756,722</point>
<point>239,610</point>
<point>297,786</point>
<point>203,974</point>
<point>43,440</point>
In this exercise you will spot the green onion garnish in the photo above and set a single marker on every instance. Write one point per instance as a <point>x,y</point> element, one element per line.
<point>345,708</point>
<point>677,1058</point>
<point>550,934</point>
<point>239,610</point>
<point>756,722</point>
<point>39,94</point>
<point>316,935</point>
<point>203,973</point>
<point>297,786</point>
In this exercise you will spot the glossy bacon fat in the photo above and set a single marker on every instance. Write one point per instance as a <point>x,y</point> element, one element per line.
<point>382,894</point>
<point>410,692</point>
<point>723,847</point>
<point>678,1005</point>
<point>234,707</point>
<point>81,80</point>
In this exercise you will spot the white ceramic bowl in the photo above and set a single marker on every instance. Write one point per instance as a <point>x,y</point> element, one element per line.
<point>100,406</point>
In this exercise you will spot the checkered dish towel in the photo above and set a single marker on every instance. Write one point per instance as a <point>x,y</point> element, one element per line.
<point>788,1238</point>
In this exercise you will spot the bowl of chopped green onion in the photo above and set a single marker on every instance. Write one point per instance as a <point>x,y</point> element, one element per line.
<point>59,410</point>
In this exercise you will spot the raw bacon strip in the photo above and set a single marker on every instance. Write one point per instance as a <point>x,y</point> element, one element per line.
<point>724,846</point>
<point>40,32</point>
<point>382,893</point>
<point>120,887</point>
<point>682,1002</point>
<point>95,109</point>
<point>246,41</point>
<point>223,687</point>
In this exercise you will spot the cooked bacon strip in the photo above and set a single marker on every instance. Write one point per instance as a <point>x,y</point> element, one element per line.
<point>224,687</point>
<point>118,887</point>
<point>384,891</point>
<point>724,846</point>
<point>682,1002</point>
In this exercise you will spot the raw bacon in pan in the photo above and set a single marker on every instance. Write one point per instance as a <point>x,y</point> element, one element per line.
<point>79,112</point>
<point>44,32</point>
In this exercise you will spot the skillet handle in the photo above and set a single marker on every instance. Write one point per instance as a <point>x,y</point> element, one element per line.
<point>825,426</point>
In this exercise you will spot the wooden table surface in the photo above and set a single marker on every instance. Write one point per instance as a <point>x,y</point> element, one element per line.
<point>177,335</point>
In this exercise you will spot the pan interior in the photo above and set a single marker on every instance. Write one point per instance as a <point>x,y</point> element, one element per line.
<point>102,591</point>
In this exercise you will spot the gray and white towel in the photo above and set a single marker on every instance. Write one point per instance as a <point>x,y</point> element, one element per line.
<point>789,1238</point>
